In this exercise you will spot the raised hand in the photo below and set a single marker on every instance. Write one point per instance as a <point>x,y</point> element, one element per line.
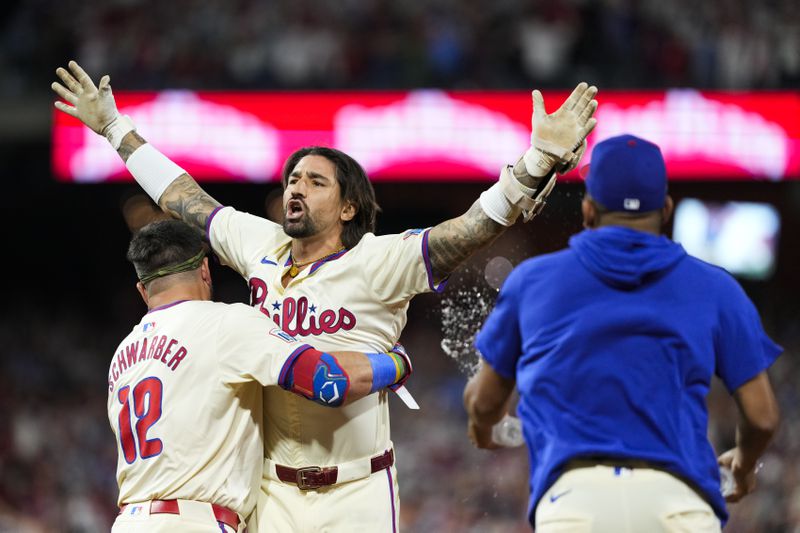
<point>92,105</point>
<point>558,138</point>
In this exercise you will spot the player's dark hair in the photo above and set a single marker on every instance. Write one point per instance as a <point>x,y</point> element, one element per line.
<point>163,244</point>
<point>354,187</point>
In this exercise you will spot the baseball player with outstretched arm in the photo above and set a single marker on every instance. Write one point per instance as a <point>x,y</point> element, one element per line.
<point>324,276</point>
<point>185,391</point>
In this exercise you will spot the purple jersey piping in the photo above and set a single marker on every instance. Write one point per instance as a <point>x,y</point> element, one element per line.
<point>391,495</point>
<point>165,306</point>
<point>209,219</point>
<point>428,269</point>
<point>321,262</point>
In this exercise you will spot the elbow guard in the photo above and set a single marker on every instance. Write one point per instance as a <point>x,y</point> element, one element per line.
<point>315,375</point>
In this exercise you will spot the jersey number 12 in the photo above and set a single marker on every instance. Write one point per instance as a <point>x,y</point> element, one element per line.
<point>146,402</point>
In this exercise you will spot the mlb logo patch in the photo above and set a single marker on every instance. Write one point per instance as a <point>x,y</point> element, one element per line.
<point>411,232</point>
<point>136,510</point>
<point>282,335</point>
<point>631,204</point>
<point>150,326</point>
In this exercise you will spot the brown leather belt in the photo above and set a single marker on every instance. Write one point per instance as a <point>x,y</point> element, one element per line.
<point>314,477</point>
<point>221,514</point>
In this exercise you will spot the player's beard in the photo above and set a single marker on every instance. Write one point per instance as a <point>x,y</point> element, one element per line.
<point>298,229</point>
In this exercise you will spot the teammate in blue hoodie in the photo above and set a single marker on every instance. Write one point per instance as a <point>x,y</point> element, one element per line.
<point>612,344</point>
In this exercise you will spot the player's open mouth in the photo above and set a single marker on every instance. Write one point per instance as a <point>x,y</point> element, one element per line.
<point>294,210</point>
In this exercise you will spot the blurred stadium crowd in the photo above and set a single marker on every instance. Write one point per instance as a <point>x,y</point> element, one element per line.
<point>57,454</point>
<point>399,44</point>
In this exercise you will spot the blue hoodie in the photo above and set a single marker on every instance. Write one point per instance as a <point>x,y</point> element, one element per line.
<point>613,343</point>
<point>624,258</point>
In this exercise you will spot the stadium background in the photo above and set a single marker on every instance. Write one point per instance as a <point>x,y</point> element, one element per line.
<point>69,293</point>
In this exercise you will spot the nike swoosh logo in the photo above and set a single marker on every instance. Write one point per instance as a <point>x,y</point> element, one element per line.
<point>265,261</point>
<point>554,497</point>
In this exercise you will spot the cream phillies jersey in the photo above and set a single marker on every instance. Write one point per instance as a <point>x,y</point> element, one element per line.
<point>184,402</point>
<point>355,300</point>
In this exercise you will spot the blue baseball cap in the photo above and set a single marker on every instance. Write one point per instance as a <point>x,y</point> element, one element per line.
<point>627,174</point>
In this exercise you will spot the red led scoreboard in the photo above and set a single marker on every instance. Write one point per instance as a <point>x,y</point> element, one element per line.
<point>433,135</point>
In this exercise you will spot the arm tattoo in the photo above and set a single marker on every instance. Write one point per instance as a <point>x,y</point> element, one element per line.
<point>185,199</point>
<point>130,143</point>
<point>452,242</point>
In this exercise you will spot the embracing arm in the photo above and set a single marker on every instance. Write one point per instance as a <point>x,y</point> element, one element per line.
<point>338,378</point>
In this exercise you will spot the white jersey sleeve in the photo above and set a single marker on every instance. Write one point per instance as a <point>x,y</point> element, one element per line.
<point>253,348</point>
<point>398,266</point>
<point>239,239</point>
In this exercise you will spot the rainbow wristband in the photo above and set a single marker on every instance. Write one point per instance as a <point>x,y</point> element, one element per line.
<point>387,369</point>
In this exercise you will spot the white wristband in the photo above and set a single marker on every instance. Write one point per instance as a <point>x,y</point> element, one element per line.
<point>505,200</point>
<point>152,170</point>
<point>497,207</point>
<point>117,129</point>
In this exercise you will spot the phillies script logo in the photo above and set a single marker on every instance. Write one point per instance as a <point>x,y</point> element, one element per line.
<point>296,316</point>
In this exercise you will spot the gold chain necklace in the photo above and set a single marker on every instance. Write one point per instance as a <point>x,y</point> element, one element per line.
<point>294,270</point>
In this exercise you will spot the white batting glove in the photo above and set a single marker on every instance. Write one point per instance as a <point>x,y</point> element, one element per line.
<point>92,105</point>
<point>557,138</point>
<point>570,165</point>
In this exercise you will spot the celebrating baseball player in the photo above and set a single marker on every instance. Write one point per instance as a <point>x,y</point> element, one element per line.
<point>324,275</point>
<point>185,395</point>
<point>613,367</point>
